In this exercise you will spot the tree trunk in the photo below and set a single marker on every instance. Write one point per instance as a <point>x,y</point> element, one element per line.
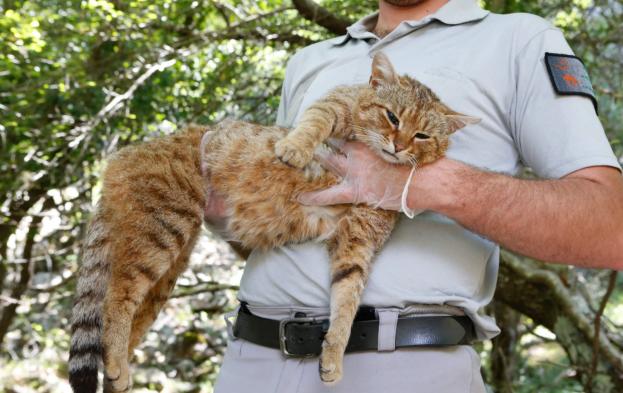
<point>503,351</point>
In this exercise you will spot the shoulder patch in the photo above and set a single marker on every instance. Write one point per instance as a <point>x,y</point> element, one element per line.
<point>569,76</point>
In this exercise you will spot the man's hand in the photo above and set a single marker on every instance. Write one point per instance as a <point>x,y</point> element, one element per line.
<point>366,178</point>
<point>369,179</point>
<point>215,211</point>
<point>216,217</point>
<point>576,220</point>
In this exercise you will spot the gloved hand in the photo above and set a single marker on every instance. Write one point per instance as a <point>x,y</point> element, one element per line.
<point>215,210</point>
<point>366,178</point>
<point>215,214</point>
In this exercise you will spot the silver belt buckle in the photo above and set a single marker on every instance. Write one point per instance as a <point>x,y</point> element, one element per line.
<point>282,336</point>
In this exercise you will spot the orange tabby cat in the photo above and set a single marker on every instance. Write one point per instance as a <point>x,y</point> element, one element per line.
<point>150,212</point>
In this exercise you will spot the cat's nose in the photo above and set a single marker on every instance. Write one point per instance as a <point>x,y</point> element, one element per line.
<point>398,147</point>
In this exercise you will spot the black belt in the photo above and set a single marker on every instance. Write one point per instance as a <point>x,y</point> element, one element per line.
<point>302,336</point>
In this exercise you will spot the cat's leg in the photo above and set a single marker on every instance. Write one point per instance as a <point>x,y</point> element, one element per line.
<point>151,306</point>
<point>140,260</point>
<point>148,246</point>
<point>157,297</point>
<point>359,236</point>
<point>129,284</point>
<point>329,117</point>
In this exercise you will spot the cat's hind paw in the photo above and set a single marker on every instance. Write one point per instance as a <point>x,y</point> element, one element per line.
<point>112,387</point>
<point>331,360</point>
<point>292,154</point>
<point>116,376</point>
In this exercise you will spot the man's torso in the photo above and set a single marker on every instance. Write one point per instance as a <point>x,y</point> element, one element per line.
<point>469,60</point>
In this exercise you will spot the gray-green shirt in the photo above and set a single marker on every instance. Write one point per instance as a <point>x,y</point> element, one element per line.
<point>480,64</point>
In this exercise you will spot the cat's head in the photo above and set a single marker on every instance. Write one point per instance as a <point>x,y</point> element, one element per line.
<point>402,119</point>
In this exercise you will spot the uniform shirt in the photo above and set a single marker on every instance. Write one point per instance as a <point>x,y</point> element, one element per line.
<point>481,64</point>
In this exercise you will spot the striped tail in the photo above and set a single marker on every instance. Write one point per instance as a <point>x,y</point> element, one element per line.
<point>85,351</point>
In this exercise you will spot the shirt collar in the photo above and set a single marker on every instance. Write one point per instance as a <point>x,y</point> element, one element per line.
<point>454,12</point>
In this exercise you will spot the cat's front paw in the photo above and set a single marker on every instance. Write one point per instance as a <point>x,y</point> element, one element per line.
<point>331,360</point>
<point>293,153</point>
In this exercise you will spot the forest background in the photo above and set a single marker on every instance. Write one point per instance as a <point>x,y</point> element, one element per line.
<point>80,79</point>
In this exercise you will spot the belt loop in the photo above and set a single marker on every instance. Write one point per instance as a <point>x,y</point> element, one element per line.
<point>230,325</point>
<point>388,320</point>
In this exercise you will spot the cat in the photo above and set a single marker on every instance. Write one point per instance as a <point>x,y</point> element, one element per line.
<point>151,210</point>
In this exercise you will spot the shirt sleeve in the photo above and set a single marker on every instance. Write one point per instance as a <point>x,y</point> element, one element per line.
<point>555,134</point>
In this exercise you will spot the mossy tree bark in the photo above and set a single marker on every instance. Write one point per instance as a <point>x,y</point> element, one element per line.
<point>551,296</point>
<point>504,355</point>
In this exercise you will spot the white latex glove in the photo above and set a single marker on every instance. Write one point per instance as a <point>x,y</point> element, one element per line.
<point>366,178</point>
<point>215,214</point>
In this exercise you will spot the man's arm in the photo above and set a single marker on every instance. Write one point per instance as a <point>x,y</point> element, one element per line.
<point>216,217</point>
<point>577,219</point>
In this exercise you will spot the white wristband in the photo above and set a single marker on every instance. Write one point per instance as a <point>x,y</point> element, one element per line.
<point>405,192</point>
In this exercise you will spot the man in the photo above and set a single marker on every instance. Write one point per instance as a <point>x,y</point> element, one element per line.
<point>508,70</point>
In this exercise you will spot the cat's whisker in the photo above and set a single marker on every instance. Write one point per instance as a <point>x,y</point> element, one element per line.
<point>412,160</point>
<point>374,138</point>
<point>368,135</point>
<point>367,131</point>
<point>371,138</point>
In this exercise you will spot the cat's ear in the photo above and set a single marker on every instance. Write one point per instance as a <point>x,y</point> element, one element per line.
<point>382,71</point>
<point>456,121</point>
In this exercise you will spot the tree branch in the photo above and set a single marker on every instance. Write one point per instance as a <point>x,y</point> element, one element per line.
<point>18,209</point>
<point>597,328</point>
<point>209,287</point>
<point>112,106</point>
<point>321,16</point>
<point>8,312</point>
<point>168,57</point>
<point>540,293</point>
<point>504,355</point>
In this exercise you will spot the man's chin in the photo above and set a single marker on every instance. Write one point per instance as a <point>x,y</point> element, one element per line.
<point>403,3</point>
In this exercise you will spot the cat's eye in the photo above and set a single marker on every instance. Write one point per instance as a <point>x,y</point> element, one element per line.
<point>393,118</point>
<point>421,135</point>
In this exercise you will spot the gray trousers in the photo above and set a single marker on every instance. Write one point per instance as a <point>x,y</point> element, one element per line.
<point>252,368</point>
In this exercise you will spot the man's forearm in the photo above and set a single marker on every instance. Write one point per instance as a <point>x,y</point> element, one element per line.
<point>574,220</point>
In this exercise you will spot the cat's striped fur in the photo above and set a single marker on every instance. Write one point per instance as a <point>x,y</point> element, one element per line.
<point>136,245</point>
<point>150,213</point>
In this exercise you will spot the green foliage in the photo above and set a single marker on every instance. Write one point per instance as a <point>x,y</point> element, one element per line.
<point>78,79</point>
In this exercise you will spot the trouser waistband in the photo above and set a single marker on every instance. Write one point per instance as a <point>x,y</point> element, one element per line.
<point>382,330</point>
<point>281,312</point>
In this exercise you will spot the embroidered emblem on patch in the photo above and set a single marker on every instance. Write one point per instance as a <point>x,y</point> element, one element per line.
<point>569,76</point>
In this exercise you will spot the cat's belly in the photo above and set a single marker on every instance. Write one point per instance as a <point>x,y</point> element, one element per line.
<point>428,260</point>
<point>260,191</point>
